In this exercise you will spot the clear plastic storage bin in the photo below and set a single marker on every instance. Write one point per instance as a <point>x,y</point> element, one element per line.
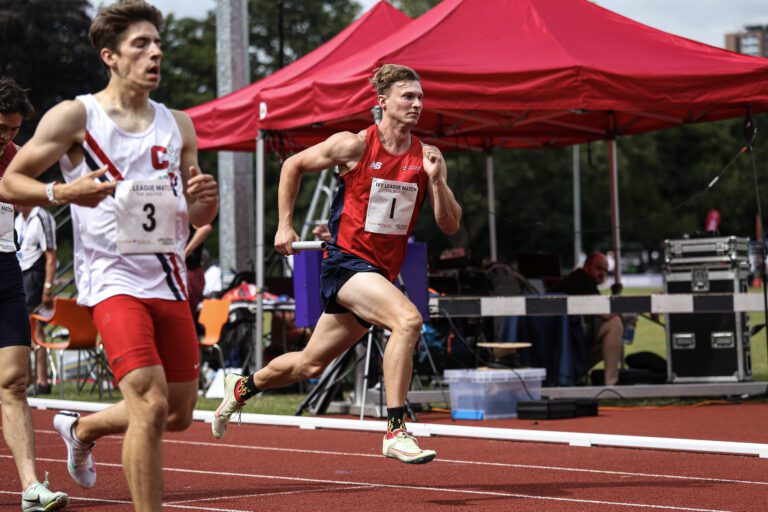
<point>489,394</point>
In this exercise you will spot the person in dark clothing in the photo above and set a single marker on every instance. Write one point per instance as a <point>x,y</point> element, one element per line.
<point>193,254</point>
<point>15,334</point>
<point>604,332</point>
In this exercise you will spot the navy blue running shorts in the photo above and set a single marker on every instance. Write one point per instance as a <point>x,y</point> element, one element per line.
<point>335,270</point>
<point>14,321</point>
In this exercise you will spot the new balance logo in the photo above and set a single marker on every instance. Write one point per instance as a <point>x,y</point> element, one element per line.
<point>375,165</point>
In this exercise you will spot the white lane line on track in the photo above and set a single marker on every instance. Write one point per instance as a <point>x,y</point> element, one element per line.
<point>394,486</point>
<point>455,491</point>
<point>455,461</point>
<point>124,502</point>
<point>475,463</point>
<point>269,494</point>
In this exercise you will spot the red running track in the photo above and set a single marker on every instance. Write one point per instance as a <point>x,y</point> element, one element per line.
<point>284,469</point>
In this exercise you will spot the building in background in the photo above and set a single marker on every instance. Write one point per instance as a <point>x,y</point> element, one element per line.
<point>753,40</point>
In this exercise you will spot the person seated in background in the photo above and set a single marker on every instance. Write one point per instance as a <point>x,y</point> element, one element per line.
<point>603,332</point>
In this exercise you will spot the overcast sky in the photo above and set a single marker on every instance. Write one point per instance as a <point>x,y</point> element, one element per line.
<point>702,20</point>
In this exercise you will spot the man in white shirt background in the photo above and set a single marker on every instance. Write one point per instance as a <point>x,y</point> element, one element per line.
<point>36,229</point>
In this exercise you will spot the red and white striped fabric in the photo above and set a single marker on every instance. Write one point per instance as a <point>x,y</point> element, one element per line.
<point>100,271</point>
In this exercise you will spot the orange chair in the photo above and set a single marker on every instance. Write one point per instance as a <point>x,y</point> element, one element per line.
<point>82,335</point>
<point>214,314</point>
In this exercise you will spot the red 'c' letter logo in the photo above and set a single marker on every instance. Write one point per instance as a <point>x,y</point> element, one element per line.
<point>158,162</point>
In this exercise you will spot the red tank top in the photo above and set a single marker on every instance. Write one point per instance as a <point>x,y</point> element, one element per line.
<point>5,159</point>
<point>375,208</point>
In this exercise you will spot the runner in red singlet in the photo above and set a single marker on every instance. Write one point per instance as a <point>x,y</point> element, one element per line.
<point>385,174</point>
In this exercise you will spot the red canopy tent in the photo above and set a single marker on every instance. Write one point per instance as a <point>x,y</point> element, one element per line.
<point>232,121</point>
<point>531,73</point>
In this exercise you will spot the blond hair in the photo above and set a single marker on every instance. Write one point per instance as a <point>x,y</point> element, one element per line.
<point>387,75</point>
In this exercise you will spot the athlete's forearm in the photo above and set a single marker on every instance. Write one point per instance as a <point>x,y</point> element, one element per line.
<point>50,266</point>
<point>288,189</point>
<point>447,209</point>
<point>21,189</point>
<point>202,213</point>
<point>198,238</point>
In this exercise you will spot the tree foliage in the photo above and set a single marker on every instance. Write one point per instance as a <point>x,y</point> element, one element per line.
<point>189,62</point>
<point>307,24</point>
<point>45,47</point>
<point>415,8</point>
<point>664,192</point>
<point>189,45</point>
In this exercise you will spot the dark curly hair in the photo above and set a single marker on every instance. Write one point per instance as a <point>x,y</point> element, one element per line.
<point>14,99</point>
<point>109,25</point>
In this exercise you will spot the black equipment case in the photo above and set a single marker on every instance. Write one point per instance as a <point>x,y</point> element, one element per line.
<point>707,347</point>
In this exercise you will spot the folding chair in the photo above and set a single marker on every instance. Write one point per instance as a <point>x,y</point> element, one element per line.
<point>214,314</point>
<point>82,335</point>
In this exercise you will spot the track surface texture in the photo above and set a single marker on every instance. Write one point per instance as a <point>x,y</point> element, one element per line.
<point>257,468</point>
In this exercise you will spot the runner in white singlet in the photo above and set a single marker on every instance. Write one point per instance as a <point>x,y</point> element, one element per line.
<point>131,173</point>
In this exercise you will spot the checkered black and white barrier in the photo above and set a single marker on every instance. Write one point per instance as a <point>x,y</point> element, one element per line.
<point>542,305</point>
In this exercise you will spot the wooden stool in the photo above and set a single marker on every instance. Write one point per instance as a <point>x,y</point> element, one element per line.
<point>504,352</point>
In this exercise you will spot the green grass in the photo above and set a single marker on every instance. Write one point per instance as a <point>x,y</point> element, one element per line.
<point>277,403</point>
<point>271,403</point>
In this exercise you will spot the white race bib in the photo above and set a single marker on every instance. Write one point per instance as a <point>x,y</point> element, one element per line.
<point>145,211</point>
<point>390,206</point>
<point>6,228</point>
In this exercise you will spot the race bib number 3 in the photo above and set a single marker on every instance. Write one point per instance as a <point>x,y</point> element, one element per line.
<point>390,207</point>
<point>6,228</point>
<point>145,211</point>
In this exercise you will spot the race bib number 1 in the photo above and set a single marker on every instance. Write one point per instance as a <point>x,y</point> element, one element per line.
<point>145,211</point>
<point>6,228</point>
<point>390,207</point>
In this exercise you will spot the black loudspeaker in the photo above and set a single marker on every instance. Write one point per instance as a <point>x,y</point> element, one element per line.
<point>708,347</point>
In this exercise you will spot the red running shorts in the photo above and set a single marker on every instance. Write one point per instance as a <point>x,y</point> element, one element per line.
<point>138,333</point>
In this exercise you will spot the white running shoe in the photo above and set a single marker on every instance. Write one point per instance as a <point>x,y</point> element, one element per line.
<point>403,446</point>
<point>38,497</point>
<point>229,406</point>
<point>80,462</point>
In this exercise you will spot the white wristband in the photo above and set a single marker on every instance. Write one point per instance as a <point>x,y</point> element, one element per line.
<point>49,192</point>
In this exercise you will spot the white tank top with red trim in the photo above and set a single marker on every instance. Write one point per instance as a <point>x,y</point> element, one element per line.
<point>101,270</point>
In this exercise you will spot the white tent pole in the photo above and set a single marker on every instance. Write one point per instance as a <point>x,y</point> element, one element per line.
<point>259,254</point>
<point>491,205</point>
<point>615,222</point>
<point>577,247</point>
